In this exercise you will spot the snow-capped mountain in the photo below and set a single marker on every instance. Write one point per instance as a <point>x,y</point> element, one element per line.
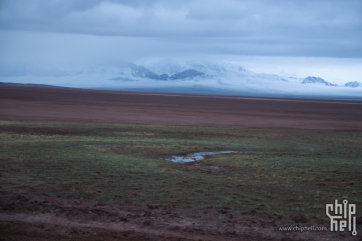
<point>208,68</point>
<point>354,84</point>
<point>197,77</point>
<point>316,80</point>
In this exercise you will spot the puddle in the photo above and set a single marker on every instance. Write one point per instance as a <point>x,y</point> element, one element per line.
<point>197,156</point>
<point>135,133</point>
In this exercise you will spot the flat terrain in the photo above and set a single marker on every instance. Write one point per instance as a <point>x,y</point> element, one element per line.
<point>22,103</point>
<point>92,165</point>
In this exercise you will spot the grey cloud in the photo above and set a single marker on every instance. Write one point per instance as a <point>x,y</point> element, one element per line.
<point>260,27</point>
<point>225,17</point>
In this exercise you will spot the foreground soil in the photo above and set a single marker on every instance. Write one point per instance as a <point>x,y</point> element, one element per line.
<point>51,104</point>
<point>54,176</point>
<point>33,217</point>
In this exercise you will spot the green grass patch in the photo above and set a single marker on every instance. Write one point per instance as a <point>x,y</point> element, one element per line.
<point>279,172</point>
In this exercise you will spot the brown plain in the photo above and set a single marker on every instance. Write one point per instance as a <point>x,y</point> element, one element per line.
<point>52,104</point>
<point>36,216</point>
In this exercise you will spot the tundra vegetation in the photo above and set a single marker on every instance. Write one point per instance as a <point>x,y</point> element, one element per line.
<point>276,172</point>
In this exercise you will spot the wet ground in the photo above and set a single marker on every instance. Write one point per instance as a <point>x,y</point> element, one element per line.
<point>192,157</point>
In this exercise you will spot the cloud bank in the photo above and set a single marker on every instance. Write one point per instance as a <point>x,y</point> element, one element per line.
<point>318,28</point>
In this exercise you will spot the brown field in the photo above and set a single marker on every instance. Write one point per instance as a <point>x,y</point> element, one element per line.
<point>90,165</point>
<point>40,104</point>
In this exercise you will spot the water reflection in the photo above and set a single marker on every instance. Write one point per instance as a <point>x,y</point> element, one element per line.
<point>197,156</point>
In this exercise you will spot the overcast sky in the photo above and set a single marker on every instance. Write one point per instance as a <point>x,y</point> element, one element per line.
<point>293,32</point>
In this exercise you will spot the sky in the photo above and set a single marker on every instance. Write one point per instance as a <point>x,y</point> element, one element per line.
<point>305,37</point>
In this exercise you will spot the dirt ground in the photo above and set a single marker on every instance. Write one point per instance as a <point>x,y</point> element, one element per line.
<point>35,216</point>
<point>32,216</point>
<point>41,104</point>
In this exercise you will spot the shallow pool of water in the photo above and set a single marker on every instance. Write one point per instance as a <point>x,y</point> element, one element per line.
<point>197,156</point>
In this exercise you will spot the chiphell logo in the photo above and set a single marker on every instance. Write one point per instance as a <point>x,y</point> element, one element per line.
<point>342,216</point>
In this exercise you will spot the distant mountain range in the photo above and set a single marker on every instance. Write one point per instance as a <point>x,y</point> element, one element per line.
<point>316,80</point>
<point>181,76</point>
<point>140,71</point>
<point>354,84</point>
<point>167,70</point>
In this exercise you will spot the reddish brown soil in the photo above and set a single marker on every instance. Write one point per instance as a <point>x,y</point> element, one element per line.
<point>34,217</point>
<point>41,104</point>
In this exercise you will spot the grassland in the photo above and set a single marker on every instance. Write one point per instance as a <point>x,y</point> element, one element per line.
<point>279,172</point>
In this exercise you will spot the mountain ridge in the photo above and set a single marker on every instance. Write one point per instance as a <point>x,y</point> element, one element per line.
<point>316,80</point>
<point>353,84</point>
<point>203,77</point>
